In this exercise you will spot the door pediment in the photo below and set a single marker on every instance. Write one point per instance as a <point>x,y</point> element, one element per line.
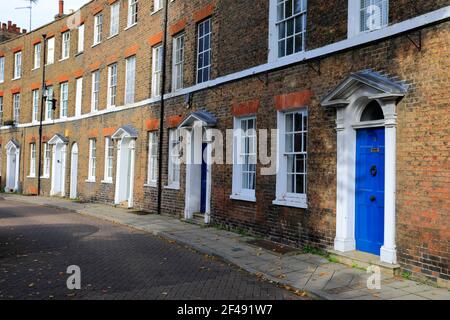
<point>126,131</point>
<point>12,144</point>
<point>58,139</point>
<point>377,85</point>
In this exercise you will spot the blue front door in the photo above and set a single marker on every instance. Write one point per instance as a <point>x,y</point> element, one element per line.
<point>203,181</point>
<point>369,215</point>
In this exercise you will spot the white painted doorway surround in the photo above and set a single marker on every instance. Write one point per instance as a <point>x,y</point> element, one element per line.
<point>350,99</point>
<point>126,148</point>
<point>196,130</point>
<point>59,156</point>
<point>12,166</point>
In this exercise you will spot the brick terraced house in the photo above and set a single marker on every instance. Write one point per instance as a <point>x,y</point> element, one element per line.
<point>357,90</point>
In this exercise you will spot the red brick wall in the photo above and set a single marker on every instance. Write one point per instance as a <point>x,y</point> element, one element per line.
<point>240,41</point>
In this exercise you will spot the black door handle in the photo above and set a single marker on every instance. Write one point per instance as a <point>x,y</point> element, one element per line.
<point>373,198</point>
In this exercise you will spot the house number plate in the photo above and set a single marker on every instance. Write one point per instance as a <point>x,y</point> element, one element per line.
<point>375,150</point>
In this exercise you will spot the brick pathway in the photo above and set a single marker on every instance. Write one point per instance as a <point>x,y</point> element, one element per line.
<point>38,243</point>
<point>313,274</point>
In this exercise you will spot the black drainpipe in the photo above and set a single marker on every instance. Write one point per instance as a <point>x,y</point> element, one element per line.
<point>43,98</point>
<point>161,110</point>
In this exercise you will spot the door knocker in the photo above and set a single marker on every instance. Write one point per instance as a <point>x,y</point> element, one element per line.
<point>373,171</point>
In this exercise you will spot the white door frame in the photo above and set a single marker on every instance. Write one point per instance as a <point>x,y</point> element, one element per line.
<point>350,98</point>
<point>74,171</point>
<point>126,150</point>
<point>59,153</point>
<point>348,121</point>
<point>194,154</point>
<point>12,149</point>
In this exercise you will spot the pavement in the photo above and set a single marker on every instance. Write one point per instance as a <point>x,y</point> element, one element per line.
<point>305,272</point>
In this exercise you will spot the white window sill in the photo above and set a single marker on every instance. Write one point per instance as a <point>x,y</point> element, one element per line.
<point>49,64</point>
<point>78,53</point>
<point>112,36</point>
<point>130,26</point>
<point>35,68</point>
<point>156,11</point>
<point>95,44</point>
<point>90,180</point>
<point>14,79</point>
<point>290,203</point>
<point>150,185</point>
<point>63,59</point>
<point>45,177</point>
<point>31,177</point>
<point>106,181</point>
<point>242,198</point>
<point>173,186</point>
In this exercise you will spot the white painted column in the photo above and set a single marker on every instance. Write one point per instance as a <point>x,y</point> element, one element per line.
<point>132,147</point>
<point>16,183</point>
<point>388,252</point>
<point>118,177</point>
<point>345,239</point>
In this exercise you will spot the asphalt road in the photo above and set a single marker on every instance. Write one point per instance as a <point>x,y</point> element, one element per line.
<point>38,244</point>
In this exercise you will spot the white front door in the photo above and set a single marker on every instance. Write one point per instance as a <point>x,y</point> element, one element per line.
<point>125,171</point>
<point>58,170</point>
<point>12,170</point>
<point>74,172</point>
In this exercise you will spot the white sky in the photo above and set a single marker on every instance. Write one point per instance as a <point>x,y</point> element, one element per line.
<point>44,11</point>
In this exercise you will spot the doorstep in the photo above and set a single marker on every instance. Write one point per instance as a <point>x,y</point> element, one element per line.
<point>361,259</point>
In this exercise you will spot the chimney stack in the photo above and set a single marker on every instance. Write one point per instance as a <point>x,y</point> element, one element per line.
<point>61,8</point>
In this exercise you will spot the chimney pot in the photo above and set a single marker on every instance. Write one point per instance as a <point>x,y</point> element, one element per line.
<point>9,24</point>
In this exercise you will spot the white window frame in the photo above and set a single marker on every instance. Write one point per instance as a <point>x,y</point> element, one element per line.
<point>48,104</point>
<point>157,5</point>
<point>156,70</point>
<point>47,159</point>
<point>64,100</point>
<point>109,158</point>
<point>92,159</point>
<point>115,19</point>
<point>95,94</point>
<point>275,23</point>
<point>283,197</point>
<point>241,133</point>
<point>132,17</point>
<point>65,45</point>
<point>130,79</point>
<point>98,28</point>
<point>50,51</point>
<point>16,108</point>
<point>80,44</point>
<point>37,55</point>
<point>173,175</point>
<point>17,65</point>
<point>202,39</point>
<point>78,96</point>
<point>178,62</point>
<point>355,17</point>
<point>35,106</point>
<point>2,69</point>
<point>152,165</point>
<point>112,86</point>
<point>32,172</point>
